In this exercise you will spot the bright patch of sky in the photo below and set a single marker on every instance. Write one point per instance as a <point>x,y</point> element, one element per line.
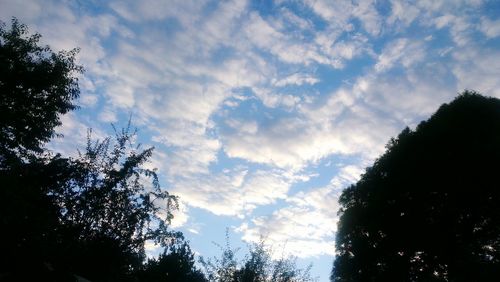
<point>261,112</point>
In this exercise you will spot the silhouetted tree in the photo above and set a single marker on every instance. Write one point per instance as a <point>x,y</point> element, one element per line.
<point>29,218</point>
<point>175,264</point>
<point>89,215</point>
<point>257,266</point>
<point>37,86</point>
<point>428,209</point>
<point>112,204</point>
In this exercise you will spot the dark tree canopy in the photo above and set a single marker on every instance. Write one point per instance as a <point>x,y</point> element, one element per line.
<point>175,264</point>
<point>37,86</point>
<point>62,216</point>
<point>429,208</point>
<point>89,215</point>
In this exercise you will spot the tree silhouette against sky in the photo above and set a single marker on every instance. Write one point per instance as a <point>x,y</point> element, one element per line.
<point>90,215</point>
<point>428,209</point>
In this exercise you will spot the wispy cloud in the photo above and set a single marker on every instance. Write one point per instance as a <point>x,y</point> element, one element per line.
<point>306,227</point>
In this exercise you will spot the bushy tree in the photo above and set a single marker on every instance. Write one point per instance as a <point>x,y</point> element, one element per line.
<point>175,264</point>
<point>428,209</point>
<point>60,216</point>
<point>112,200</point>
<point>37,86</point>
<point>28,217</point>
<point>257,266</point>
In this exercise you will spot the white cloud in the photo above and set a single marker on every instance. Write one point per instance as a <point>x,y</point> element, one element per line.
<point>367,13</point>
<point>88,100</point>
<point>295,20</point>
<point>264,36</point>
<point>403,12</point>
<point>296,79</point>
<point>250,127</point>
<point>188,150</point>
<point>233,192</point>
<point>120,94</point>
<point>337,13</point>
<point>181,216</point>
<point>343,50</point>
<point>299,231</point>
<point>108,116</point>
<point>154,10</point>
<point>340,13</point>
<point>336,126</point>
<point>74,131</point>
<point>477,69</point>
<point>401,51</point>
<point>490,28</point>
<point>26,11</point>
<point>261,33</point>
<point>307,226</point>
<point>273,99</point>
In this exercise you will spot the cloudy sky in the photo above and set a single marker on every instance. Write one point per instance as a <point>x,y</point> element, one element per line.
<point>262,111</point>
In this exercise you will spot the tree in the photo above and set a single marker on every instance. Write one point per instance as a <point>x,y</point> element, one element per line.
<point>62,216</point>
<point>29,218</point>
<point>427,210</point>
<point>89,215</point>
<point>37,86</point>
<point>111,204</point>
<point>257,266</point>
<point>175,264</point>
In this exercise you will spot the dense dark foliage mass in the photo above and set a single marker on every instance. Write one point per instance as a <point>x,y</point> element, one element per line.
<point>428,209</point>
<point>175,264</point>
<point>36,87</point>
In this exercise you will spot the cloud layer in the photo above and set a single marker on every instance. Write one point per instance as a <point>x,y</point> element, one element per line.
<point>247,101</point>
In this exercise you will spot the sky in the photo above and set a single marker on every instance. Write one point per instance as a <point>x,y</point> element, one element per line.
<point>261,112</point>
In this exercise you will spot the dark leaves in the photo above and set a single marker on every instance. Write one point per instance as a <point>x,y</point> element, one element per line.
<point>427,209</point>
<point>37,86</point>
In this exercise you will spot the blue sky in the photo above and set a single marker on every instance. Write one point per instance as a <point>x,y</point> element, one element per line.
<point>262,111</point>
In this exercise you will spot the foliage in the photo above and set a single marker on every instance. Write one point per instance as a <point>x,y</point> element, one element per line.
<point>257,266</point>
<point>175,264</point>
<point>37,86</point>
<point>111,198</point>
<point>90,215</point>
<point>109,193</point>
<point>29,219</point>
<point>61,216</point>
<point>427,210</point>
